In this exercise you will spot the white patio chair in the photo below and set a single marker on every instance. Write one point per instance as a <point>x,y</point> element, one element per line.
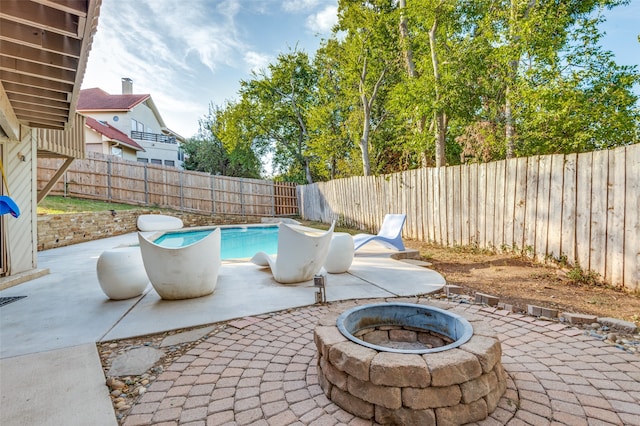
<point>183,272</point>
<point>390,234</point>
<point>301,253</point>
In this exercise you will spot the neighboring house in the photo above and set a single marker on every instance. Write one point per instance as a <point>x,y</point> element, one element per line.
<point>137,117</point>
<point>44,47</point>
<point>106,139</point>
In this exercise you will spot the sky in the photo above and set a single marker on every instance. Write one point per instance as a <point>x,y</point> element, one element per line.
<point>189,54</point>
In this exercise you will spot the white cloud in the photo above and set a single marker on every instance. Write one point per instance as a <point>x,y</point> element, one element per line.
<point>300,5</point>
<point>188,54</point>
<point>257,61</point>
<point>323,21</point>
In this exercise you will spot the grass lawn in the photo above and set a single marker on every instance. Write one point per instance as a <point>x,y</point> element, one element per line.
<point>54,204</point>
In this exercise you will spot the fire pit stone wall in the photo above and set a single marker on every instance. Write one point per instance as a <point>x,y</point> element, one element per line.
<point>455,386</point>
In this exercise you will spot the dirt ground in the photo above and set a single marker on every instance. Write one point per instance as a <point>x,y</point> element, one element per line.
<point>518,281</point>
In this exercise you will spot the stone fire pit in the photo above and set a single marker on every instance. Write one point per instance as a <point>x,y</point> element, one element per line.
<point>406,363</point>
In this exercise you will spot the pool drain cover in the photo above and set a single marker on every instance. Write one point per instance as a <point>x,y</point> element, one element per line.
<point>7,300</point>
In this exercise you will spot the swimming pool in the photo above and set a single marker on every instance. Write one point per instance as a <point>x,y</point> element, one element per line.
<point>237,242</point>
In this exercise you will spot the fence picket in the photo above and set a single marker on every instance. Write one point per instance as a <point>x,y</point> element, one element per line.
<point>631,231</point>
<point>490,211</point>
<point>542,207</point>
<point>498,228</point>
<point>583,209</point>
<point>473,204</point>
<point>511,170</point>
<point>569,192</point>
<point>614,256</point>
<point>599,184</point>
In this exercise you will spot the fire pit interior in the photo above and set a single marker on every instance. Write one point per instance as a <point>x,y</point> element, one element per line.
<point>402,363</point>
<point>404,328</point>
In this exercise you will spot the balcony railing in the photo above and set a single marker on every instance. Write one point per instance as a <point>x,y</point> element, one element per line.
<point>153,137</point>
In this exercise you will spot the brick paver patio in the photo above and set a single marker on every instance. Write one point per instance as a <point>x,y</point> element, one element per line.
<point>262,371</point>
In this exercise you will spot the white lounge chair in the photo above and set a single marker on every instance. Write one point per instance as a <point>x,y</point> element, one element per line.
<point>301,253</point>
<point>390,234</point>
<point>183,272</point>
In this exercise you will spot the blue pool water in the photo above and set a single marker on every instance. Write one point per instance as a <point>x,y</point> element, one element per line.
<point>237,242</point>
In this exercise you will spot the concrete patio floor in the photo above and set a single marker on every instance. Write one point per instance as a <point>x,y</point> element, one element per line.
<point>261,369</point>
<point>50,372</point>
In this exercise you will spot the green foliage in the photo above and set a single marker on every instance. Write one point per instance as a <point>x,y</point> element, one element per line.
<point>280,99</point>
<point>222,145</point>
<point>578,275</point>
<point>468,81</point>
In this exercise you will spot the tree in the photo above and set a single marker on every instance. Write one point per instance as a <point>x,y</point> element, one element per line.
<point>281,97</point>
<point>222,145</point>
<point>550,59</point>
<point>331,136</point>
<point>447,47</point>
<point>370,61</point>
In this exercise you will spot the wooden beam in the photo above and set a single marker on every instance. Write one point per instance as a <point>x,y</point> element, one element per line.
<point>16,89</point>
<point>8,120</point>
<point>54,179</point>
<point>30,69</point>
<point>74,7</point>
<point>23,99</point>
<point>27,80</point>
<point>40,112</point>
<point>40,16</point>
<point>38,56</point>
<point>39,39</point>
<point>39,122</point>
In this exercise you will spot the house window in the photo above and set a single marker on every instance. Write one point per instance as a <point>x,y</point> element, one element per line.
<point>140,127</point>
<point>117,151</point>
<point>143,160</point>
<point>169,163</point>
<point>156,161</point>
<point>134,124</point>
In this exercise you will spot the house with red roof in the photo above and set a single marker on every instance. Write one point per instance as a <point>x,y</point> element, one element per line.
<point>128,123</point>
<point>103,138</point>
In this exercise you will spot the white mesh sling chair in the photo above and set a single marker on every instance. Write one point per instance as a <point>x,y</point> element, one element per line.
<point>390,234</point>
<point>301,253</point>
<point>183,272</point>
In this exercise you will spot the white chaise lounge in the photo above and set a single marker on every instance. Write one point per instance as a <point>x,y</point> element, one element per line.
<point>301,253</point>
<point>390,234</point>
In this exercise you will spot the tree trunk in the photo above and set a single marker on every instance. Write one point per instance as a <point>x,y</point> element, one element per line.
<point>509,126</point>
<point>411,69</point>
<point>367,105</point>
<point>404,35</point>
<point>440,116</point>
<point>364,147</point>
<point>307,171</point>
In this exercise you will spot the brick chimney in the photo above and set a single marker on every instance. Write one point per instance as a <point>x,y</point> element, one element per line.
<point>127,86</point>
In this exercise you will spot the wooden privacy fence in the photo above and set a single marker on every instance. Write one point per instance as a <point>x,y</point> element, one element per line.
<point>582,208</point>
<point>109,178</point>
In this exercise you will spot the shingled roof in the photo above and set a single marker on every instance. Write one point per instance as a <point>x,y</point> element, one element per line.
<point>96,99</point>
<point>112,133</point>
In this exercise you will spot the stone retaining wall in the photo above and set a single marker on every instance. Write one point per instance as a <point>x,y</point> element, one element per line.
<point>59,230</point>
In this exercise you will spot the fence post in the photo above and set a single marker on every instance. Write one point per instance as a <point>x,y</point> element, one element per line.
<point>213,195</point>
<point>273,198</point>
<point>109,179</point>
<point>241,197</point>
<point>181,190</point>
<point>146,187</point>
